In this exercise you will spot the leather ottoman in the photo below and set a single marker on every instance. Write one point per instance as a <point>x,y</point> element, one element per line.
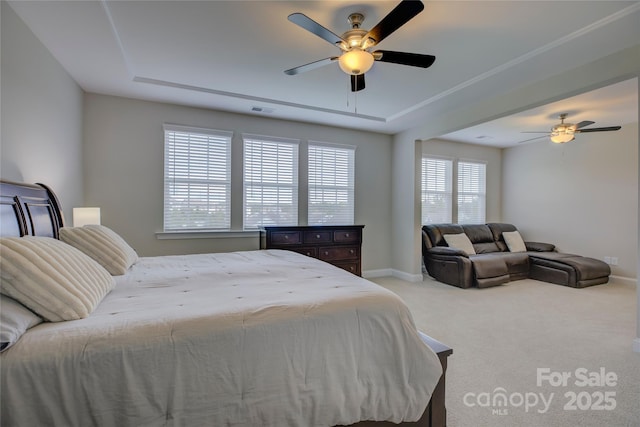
<point>569,270</point>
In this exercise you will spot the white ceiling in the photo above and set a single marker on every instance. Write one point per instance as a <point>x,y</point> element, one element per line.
<point>230,55</point>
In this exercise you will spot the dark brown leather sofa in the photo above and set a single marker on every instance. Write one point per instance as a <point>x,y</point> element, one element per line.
<point>493,264</point>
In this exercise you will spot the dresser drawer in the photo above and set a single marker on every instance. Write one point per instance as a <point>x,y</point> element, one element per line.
<point>318,237</point>
<point>286,238</point>
<point>312,252</point>
<point>339,253</point>
<point>346,236</point>
<point>351,267</point>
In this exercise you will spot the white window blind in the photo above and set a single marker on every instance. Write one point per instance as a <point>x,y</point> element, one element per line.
<point>331,184</point>
<point>471,192</point>
<point>270,181</point>
<point>197,178</point>
<point>436,190</point>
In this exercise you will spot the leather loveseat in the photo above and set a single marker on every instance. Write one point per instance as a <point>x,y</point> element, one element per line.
<point>494,264</point>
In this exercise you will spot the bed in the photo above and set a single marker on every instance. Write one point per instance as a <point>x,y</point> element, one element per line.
<point>249,338</point>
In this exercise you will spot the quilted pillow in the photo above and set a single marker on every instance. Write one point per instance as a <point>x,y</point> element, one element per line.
<point>460,241</point>
<point>15,319</point>
<point>103,245</point>
<point>514,241</point>
<point>53,279</point>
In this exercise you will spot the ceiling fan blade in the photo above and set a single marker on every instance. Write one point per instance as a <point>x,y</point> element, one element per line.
<point>606,129</point>
<point>584,123</point>
<point>310,66</point>
<point>312,26</point>
<point>357,82</point>
<point>411,59</point>
<point>399,16</point>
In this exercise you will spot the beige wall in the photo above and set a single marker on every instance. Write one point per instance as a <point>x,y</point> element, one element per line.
<point>41,136</point>
<point>582,196</point>
<point>123,160</point>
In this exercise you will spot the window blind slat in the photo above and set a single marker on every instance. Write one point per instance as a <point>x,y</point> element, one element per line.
<point>197,182</point>
<point>437,190</point>
<point>471,193</point>
<point>331,185</point>
<point>270,182</point>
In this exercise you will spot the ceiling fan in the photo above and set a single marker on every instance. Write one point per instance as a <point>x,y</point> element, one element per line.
<point>565,132</point>
<point>356,58</point>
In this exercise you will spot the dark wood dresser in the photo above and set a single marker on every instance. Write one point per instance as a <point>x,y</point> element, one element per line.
<point>339,245</point>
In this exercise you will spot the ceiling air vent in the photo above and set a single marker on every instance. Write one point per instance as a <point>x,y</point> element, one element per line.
<point>262,110</point>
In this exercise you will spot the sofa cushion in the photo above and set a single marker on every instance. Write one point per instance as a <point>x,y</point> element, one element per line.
<point>489,265</point>
<point>497,228</point>
<point>460,241</point>
<point>481,237</point>
<point>437,231</point>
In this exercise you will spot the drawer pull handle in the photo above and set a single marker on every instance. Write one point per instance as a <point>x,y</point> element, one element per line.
<point>308,253</point>
<point>326,253</point>
<point>346,235</point>
<point>352,251</point>
<point>317,236</point>
<point>351,268</point>
<point>286,237</point>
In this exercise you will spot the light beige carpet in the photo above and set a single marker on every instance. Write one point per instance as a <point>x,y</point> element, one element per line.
<point>505,338</point>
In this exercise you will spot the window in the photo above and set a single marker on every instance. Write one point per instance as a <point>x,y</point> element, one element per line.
<point>441,203</point>
<point>471,192</point>
<point>436,190</point>
<point>197,178</point>
<point>270,181</point>
<point>331,184</point>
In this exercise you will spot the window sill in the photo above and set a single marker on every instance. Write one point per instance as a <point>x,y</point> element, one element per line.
<point>208,234</point>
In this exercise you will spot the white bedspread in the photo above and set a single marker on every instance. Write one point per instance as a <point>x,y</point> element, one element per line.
<point>258,338</point>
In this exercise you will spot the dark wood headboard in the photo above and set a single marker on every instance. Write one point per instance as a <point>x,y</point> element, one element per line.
<point>29,210</point>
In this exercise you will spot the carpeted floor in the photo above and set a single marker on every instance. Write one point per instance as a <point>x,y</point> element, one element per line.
<point>514,343</point>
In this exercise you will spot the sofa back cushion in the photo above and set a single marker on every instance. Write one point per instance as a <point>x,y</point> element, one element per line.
<point>481,237</point>
<point>497,228</point>
<point>435,232</point>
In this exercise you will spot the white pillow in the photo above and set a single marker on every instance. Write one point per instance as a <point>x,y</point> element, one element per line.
<point>53,279</point>
<point>460,241</point>
<point>15,319</point>
<point>103,245</point>
<point>514,241</point>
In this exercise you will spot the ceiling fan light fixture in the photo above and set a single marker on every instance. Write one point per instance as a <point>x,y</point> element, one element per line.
<point>356,61</point>
<point>562,133</point>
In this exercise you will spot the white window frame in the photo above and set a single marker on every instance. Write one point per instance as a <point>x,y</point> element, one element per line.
<point>331,184</point>
<point>471,187</point>
<point>455,191</point>
<point>441,189</point>
<point>197,178</point>
<point>270,175</point>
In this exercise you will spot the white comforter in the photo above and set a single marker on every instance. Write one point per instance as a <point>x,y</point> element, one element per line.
<point>260,338</point>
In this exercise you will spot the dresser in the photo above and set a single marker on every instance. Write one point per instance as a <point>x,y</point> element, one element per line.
<point>339,245</point>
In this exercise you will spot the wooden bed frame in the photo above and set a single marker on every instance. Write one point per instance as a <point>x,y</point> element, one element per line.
<point>34,210</point>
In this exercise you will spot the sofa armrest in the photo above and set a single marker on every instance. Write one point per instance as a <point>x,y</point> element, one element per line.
<point>540,247</point>
<point>446,251</point>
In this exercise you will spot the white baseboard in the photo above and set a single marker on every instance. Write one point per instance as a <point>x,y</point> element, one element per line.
<point>386,272</point>
<point>406,276</point>
<point>624,280</point>
<point>636,345</point>
<point>383,272</point>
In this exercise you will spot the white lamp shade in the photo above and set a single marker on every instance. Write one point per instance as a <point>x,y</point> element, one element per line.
<point>356,62</point>
<point>84,216</point>
<point>562,133</point>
